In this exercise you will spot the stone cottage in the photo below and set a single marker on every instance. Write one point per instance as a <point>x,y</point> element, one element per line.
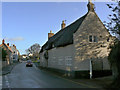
<point>80,49</point>
<point>9,53</point>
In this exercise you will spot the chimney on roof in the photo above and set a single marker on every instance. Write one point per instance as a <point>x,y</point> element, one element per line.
<point>3,41</point>
<point>50,34</point>
<point>90,6</point>
<point>63,24</point>
<point>8,44</point>
<point>14,46</point>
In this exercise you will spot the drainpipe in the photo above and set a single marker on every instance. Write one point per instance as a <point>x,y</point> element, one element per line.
<point>90,69</point>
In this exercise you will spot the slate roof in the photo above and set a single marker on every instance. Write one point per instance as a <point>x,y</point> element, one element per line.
<point>64,36</point>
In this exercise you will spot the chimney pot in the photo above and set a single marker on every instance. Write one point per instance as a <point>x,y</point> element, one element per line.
<point>50,34</point>
<point>63,24</point>
<point>3,41</point>
<point>90,6</point>
<point>14,46</point>
<point>8,44</point>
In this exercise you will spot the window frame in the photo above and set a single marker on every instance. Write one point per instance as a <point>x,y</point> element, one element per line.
<point>93,38</point>
<point>90,38</point>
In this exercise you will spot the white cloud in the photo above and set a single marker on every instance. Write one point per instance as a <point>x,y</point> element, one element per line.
<point>14,39</point>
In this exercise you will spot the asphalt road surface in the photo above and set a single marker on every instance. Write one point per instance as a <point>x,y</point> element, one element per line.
<point>32,77</point>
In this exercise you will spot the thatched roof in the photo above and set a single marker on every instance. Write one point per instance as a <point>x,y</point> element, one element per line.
<point>64,36</point>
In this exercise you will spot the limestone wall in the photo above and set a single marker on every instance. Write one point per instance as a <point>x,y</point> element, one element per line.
<point>86,50</point>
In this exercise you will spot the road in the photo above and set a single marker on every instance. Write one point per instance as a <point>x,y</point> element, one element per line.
<point>32,77</point>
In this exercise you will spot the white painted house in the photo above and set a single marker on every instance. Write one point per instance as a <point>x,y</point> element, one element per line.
<point>15,53</point>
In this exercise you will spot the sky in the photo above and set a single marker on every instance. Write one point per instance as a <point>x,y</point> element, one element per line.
<point>27,23</point>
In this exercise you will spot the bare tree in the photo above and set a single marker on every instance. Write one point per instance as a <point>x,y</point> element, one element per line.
<point>114,56</point>
<point>114,19</point>
<point>34,50</point>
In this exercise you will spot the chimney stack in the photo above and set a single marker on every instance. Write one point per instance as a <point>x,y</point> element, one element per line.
<point>63,24</point>
<point>90,6</point>
<point>50,34</point>
<point>3,41</point>
<point>14,46</point>
<point>8,44</point>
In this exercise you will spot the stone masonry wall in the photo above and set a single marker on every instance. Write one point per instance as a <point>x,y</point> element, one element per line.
<point>86,50</point>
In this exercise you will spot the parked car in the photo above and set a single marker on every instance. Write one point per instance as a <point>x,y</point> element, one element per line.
<point>29,63</point>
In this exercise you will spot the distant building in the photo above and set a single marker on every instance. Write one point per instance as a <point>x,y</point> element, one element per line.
<point>9,53</point>
<point>30,54</point>
<point>15,53</point>
<point>24,56</point>
<point>79,47</point>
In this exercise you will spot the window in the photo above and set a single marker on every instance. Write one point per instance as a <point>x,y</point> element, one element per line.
<point>60,61</point>
<point>93,38</point>
<point>90,38</point>
<point>108,40</point>
<point>68,60</point>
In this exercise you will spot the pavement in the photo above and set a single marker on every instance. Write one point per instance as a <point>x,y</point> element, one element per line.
<point>8,69</point>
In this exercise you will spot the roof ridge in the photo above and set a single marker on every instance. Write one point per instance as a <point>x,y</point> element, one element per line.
<point>77,20</point>
<point>69,25</point>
